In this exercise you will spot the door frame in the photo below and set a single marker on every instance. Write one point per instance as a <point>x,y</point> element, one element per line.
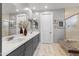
<point>47,13</point>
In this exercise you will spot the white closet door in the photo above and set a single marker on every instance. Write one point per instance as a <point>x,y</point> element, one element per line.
<point>46,27</point>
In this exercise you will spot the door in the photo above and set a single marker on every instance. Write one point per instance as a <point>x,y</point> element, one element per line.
<point>46,27</point>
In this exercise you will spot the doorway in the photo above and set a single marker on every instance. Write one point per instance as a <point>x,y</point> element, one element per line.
<point>46,27</point>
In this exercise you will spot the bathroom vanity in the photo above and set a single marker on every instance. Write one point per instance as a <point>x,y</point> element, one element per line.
<point>21,46</point>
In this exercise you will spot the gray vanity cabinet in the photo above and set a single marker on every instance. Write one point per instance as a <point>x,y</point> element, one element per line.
<point>35,41</point>
<point>28,48</point>
<point>18,52</point>
<point>29,51</point>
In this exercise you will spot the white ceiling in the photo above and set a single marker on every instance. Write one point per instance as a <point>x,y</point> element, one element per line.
<point>11,8</point>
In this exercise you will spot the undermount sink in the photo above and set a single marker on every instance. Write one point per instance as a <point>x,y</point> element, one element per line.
<point>13,39</point>
<point>16,40</point>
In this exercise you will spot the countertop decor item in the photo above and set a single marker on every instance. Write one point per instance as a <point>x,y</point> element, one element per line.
<point>25,31</point>
<point>21,30</point>
<point>25,25</point>
<point>20,26</point>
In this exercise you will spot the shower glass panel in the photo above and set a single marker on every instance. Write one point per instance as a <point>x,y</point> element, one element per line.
<point>72,28</point>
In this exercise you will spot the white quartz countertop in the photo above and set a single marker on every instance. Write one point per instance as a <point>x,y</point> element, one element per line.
<point>17,41</point>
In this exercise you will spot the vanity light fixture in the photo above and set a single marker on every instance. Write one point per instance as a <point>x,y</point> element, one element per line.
<point>26,8</point>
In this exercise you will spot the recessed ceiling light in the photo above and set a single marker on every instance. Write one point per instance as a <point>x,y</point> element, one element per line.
<point>37,13</point>
<point>34,8</point>
<point>26,8</point>
<point>46,7</point>
<point>17,10</point>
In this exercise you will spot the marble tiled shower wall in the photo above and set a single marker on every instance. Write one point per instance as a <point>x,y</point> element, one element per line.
<point>71,11</point>
<point>72,31</point>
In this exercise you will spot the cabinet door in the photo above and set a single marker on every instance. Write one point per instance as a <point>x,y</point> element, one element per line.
<point>38,38</point>
<point>29,48</point>
<point>29,51</point>
<point>35,42</point>
<point>18,52</point>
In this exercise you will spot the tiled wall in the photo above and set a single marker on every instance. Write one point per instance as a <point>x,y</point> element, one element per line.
<point>71,11</point>
<point>73,32</point>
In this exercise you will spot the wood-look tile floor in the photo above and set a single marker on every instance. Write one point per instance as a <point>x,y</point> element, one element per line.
<point>49,50</point>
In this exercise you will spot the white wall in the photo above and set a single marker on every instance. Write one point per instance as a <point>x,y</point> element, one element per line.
<point>59,33</point>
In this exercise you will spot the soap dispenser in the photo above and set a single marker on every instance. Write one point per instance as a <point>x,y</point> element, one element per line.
<point>21,28</point>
